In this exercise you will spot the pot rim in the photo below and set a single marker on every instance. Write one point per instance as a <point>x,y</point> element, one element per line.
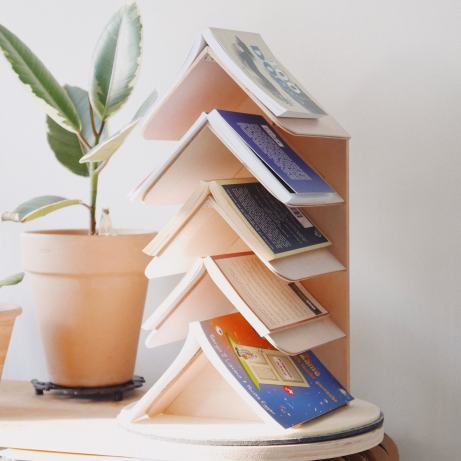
<point>8,310</point>
<point>80,232</point>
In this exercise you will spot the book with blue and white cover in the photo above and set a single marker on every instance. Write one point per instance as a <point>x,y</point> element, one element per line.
<point>294,173</point>
<point>228,145</point>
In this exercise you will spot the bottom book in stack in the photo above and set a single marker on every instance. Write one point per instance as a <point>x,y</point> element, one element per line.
<point>230,390</point>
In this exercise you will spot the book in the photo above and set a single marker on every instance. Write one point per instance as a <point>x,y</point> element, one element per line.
<point>251,62</point>
<point>212,78</point>
<point>225,144</point>
<point>226,216</point>
<point>243,377</point>
<point>284,313</point>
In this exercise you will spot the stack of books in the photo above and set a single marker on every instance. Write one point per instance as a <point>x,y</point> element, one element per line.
<point>261,237</point>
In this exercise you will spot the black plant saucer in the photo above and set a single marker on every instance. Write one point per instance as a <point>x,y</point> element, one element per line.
<point>115,393</point>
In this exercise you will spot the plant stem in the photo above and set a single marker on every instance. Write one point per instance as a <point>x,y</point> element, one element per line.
<point>94,177</point>
<point>93,127</point>
<point>82,139</point>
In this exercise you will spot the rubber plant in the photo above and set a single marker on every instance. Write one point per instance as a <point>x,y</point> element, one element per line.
<point>77,119</point>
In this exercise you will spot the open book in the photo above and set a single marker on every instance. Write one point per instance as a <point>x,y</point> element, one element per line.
<point>227,371</point>
<point>224,144</point>
<point>228,216</point>
<point>236,71</point>
<point>284,313</point>
<point>251,62</point>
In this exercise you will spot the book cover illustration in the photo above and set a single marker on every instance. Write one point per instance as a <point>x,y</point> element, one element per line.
<point>282,229</point>
<point>282,161</point>
<point>291,389</point>
<point>251,54</point>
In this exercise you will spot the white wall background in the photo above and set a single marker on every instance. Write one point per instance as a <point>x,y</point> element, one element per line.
<point>391,74</point>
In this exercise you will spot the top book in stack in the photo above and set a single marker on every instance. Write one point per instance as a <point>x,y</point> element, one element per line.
<point>237,71</point>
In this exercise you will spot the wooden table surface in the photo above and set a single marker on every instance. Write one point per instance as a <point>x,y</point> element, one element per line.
<point>53,423</point>
<point>57,423</point>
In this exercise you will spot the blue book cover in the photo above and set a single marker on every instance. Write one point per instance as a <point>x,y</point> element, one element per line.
<point>291,389</point>
<point>279,158</point>
<point>283,229</point>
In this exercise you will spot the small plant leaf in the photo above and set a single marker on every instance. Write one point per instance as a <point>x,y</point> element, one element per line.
<point>33,73</point>
<point>38,207</point>
<point>12,280</point>
<point>65,144</point>
<point>104,151</point>
<point>117,57</point>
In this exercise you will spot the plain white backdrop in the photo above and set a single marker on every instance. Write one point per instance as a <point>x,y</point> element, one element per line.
<point>390,72</point>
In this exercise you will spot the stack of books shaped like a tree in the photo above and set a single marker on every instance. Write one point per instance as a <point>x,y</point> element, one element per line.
<point>261,237</point>
<point>229,385</point>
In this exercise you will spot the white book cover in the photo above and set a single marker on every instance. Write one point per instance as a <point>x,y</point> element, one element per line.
<point>252,62</point>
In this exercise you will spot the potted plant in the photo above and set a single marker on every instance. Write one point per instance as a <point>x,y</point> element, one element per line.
<point>8,314</point>
<point>88,285</point>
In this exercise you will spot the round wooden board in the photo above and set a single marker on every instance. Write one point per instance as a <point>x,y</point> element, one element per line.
<point>352,429</point>
<point>180,451</point>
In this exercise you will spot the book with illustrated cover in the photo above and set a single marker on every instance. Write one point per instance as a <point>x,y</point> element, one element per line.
<point>239,215</point>
<point>225,144</point>
<point>237,71</point>
<point>228,355</point>
<point>284,313</point>
<point>251,61</point>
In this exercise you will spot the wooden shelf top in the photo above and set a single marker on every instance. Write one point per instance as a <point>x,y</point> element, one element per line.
<point>57,423</point>
<point>54,423</point>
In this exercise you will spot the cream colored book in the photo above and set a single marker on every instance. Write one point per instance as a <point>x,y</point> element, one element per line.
<point>284,313</point>
<point>228,216</point>
<point>224,144</point>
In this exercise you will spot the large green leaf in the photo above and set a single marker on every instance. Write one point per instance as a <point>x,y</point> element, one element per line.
<point>12,280</point>
<point>66,147</point>
<point>105,150</point>
<point>65,144</point>
<point>32,72</point>
<point>117,58</point>
<point>38,207</point>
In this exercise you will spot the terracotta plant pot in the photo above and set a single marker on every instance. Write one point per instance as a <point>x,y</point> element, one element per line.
<point>89,293</point>
<point>8,314</point>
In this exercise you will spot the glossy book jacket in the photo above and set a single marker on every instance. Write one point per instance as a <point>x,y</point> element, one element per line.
<point>291,389</point>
